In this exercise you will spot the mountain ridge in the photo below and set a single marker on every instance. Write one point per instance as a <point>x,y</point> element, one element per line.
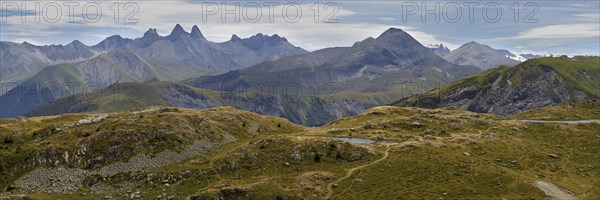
<point>532,84</point>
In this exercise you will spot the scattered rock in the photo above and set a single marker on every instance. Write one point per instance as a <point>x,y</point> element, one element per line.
<point>335,130</point>
<point>553,155</point>
<point>417,124</point>
<point>428,132</point>
<point>358,180</point>
<point>467,153</point>
<point>334,185</point>
<point>443,132</point>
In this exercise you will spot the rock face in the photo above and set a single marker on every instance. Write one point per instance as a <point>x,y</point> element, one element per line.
<point>481,56</point>
<point>508,90</point>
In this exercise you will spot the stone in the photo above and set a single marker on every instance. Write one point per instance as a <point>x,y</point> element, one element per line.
<point>553,155</point>
<point>358,180</point>
<point>467,153</point>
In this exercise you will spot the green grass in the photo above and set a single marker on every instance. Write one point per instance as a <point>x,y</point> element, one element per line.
<point>426,157</point>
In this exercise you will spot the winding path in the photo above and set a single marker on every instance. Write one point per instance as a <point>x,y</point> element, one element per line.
<point>351,171</point>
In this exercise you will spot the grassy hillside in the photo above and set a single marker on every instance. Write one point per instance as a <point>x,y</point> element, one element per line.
<point>224,153</point>
<point>535,83</point>
<point>577,111</point>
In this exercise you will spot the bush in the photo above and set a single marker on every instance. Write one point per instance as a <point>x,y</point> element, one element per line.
<point>8,140</point>
<point>2,164</point>
<point>317,157</point>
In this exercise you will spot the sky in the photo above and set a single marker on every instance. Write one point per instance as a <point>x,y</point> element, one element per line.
<point>557,27</point>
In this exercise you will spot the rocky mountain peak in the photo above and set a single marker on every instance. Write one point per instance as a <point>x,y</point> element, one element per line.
<point>178,32</point>
<point>235,38</point>
<point>76,43</point>
<point>196,32</point>
<point>150,33</point>
<point>393,32</point>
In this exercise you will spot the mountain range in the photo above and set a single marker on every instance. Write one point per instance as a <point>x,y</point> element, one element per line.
<point>381,64</point>
<point>175,57</point>
<point>310,89</point>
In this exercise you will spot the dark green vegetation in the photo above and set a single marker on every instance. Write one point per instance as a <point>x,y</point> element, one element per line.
<point>233,154</point>
<point>507,90</point>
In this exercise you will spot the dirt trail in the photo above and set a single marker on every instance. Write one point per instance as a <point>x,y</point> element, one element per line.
<point>553,191</point>
<point>351,171</point>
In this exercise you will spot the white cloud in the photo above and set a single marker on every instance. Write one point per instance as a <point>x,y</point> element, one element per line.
<point>595,17</point>
<point>581,5</point>
<point>388,19</point>
<point>163,15</point>
<point>560,31</point>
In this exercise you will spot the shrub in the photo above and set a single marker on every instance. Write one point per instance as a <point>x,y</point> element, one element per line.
<point>2,164</point>
<point>8,140</point>
<point>317,157</point>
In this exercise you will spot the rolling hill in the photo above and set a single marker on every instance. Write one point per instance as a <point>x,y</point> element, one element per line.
<point>224,153</point>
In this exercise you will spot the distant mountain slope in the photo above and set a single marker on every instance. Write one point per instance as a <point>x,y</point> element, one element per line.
<point>308,110</point>
<point>507,90</point>
<point>177,56</point>
<point>20,61</point>
<point>81,77</point>
<point>379,64</point>
<point>481,56</point>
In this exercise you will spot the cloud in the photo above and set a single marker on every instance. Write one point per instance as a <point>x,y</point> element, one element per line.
<point>309,31</point>
<point>595,17</point>
<point>387,19</point>
<point>560,31</point>
<point>581,5</point>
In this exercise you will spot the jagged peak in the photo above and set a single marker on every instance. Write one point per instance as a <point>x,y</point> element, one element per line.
<point>178,31</point>
<point>393,31</point>
<point>472,43</point>
<point>235,38</point>
<point>115,37</point>
<point>76,43</point>
<point>196,33</point>
<point>274,37</point>
<point>150,33</point>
